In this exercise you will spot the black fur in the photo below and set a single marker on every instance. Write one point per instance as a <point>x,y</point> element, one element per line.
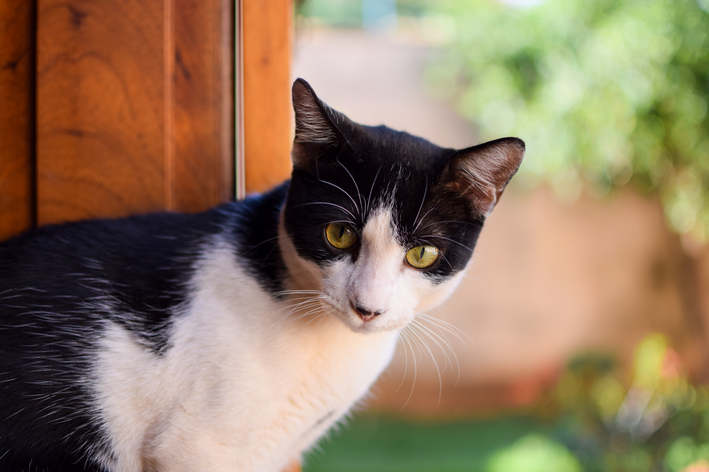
<point>256,230</point>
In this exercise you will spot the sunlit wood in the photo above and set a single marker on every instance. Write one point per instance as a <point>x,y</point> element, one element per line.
<point>16,117</point>
<point>134,107</point>
<point>267,104</point>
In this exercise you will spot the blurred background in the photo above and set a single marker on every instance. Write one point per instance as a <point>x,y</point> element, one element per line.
<point>578,340</point>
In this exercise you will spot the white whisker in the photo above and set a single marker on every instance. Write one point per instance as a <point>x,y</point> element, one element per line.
<point>359,195</point>
<point>369,198</point>
<point>447,221</point>
<point>405,337</point>
<point>446,326</point>
<point>443,344</point>
<point>447,239</point>
<point>433,358</point>
<point>416,220</point>
<point>327,203</point>
<point>343,191</point>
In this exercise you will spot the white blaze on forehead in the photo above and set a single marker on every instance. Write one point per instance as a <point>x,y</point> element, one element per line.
<point>378,237</point>
<point>379,264</point>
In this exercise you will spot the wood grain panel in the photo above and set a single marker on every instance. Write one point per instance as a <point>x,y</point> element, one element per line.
<point>135,107</point>
<point>267,104</point>
<point>17,61</point>
<point>266,50</point>
<point>202,104</point>
<point>100,113</point>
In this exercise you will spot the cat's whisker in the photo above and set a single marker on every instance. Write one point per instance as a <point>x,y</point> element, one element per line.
<point>433,358</point>
<point>446,259</point>
<point>440,252</point>
<point>275,246</point>
<point>359,195</point>
<point>329,204</point>
<point>262,243</point>
<point>320,316</point>
<point>303,305</point>
<point>317,310</point>
<point>407,339</point>
<point>446,326</point>
<point>346,193</point>
<point>435,223</point>
<point>447,239</point>
<point>425,215</point>
<point>296,300</point>
<point>310,312</point>
<point>369,198</point>
<point>406,363</point>
<point>425,190</point>
<point>443,344</point>
<point>297,292</point>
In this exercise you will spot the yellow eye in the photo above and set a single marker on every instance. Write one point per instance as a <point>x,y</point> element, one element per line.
<point>422,256</point>
<point>340,235</point>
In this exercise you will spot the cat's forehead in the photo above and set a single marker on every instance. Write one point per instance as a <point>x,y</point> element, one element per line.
<point>383,163</point>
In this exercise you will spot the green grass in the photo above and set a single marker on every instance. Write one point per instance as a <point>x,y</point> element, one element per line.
<point>374,444</point>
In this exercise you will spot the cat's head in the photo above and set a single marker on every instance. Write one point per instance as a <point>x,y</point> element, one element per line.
<point>383,223</point>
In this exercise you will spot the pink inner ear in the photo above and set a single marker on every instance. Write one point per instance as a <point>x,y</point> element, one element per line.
<point>484,196</point>
<point>482,172</point>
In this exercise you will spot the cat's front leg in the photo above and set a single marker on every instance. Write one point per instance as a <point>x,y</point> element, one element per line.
<point>196,446</point>
<point>198,453</point>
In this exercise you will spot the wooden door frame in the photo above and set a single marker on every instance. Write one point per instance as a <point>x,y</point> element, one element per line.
<point>45,134</point>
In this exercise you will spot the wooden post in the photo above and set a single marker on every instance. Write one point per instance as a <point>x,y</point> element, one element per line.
<point>267,104</point>
<point>267,36</point>
<point>17,69</point>
<point>134,107</point>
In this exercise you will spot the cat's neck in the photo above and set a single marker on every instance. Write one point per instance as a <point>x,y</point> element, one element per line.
<point>256,232</point>
<point>301,275</point>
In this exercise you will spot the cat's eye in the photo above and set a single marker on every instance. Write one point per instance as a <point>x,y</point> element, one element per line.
<point>422,256</point>
<point>341,235</point>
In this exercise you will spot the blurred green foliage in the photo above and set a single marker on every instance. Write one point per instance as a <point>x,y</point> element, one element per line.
<point>339,13</point>
<point>603,91</point>
<point>390,444</point>
<point>599,417</point>
<point>651,418</point>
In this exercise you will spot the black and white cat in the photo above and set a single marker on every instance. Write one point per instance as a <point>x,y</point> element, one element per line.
<point>231,340</point>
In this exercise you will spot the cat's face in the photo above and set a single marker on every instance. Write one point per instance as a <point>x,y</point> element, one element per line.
<point>383,223</point>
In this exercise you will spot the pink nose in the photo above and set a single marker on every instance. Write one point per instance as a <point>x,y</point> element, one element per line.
<point>364,313</point>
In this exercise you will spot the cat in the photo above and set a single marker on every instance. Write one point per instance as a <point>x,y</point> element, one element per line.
<point>231,340</point>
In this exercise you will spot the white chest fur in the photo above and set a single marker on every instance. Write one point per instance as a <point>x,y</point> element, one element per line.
<point>245,386</point>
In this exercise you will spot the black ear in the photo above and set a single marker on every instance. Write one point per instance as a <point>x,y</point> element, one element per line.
<point>482,172</point>
<point>318,128</point>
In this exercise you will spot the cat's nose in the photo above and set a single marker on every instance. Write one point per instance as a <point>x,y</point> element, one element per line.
<point>364,313</point>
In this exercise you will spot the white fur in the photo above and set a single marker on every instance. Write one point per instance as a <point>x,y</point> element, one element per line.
<point>249,382</point>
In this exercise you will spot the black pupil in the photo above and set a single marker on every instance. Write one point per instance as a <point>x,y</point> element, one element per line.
<point>423,249</point>
<point>342,231</point>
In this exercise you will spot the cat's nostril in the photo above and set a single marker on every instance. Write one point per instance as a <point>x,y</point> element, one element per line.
<point>365,314</point>
<point>363,311</point>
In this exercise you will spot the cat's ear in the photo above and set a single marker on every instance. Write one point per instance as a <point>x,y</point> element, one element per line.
<point>482,172</point>
<point>317,126</point>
